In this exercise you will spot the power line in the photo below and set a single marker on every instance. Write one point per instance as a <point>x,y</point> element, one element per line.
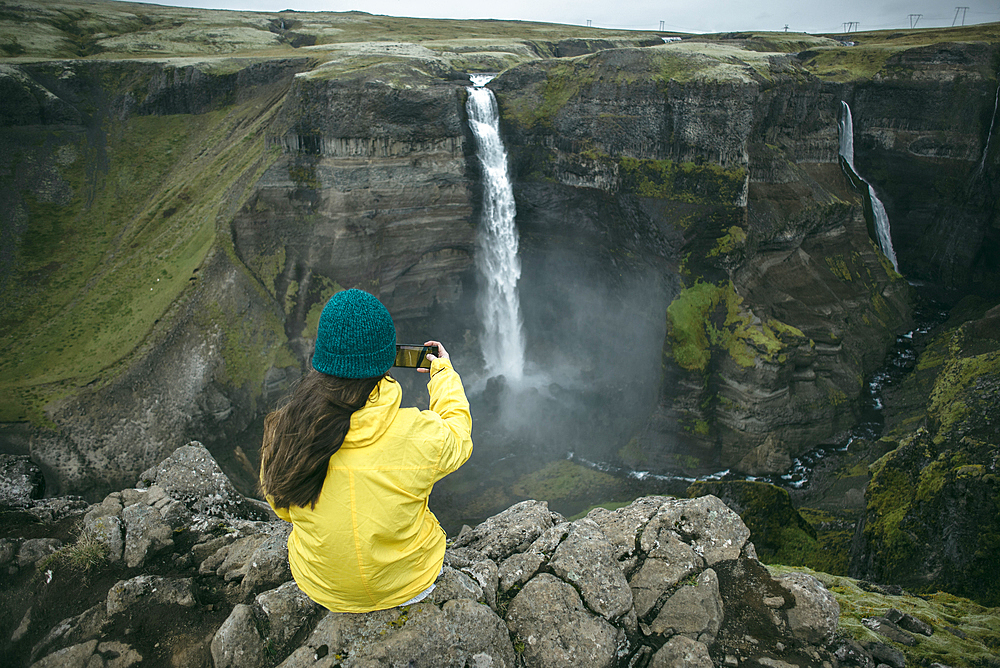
<point>957,10</point>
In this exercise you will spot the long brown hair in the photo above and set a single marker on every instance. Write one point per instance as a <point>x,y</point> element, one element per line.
<point>300,438</point>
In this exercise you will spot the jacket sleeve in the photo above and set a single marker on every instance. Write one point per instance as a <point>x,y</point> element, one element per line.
<point>449,401</point>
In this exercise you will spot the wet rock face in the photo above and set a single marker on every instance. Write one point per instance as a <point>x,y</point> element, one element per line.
<point>912,122</point>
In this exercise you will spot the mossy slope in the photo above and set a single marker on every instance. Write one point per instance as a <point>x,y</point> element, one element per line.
<point>965,634</point>
<point>120,216</point>
<point>933,505</point>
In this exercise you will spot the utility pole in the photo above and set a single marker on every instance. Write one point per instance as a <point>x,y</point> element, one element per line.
<point>851,25</point>
<point>786,27</point>
<point>661,26</point>
<point>914,18</point>
<point>957,10</point>
<point>589,23</point>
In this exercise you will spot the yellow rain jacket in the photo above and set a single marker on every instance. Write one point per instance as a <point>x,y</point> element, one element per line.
<point>371,542</point>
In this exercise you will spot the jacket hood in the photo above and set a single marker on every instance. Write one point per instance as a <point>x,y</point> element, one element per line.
<point>369,423</point>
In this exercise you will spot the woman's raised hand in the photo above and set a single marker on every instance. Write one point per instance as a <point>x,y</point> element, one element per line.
<point>442,354</point>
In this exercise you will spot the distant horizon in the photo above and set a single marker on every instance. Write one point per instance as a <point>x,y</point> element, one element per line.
<point>709,16</point>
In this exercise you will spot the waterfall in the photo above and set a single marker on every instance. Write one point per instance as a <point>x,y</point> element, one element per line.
<point>879,216</point>
<point>989,134</point>
<point>497,261</point>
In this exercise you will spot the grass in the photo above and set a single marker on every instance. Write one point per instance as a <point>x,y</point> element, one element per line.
<point>115,243</point>
<point>85,555</point>
<point>562,480</point>
<point>70,29</point>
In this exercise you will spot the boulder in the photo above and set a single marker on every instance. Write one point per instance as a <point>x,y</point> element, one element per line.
<point>550,620</point>
<point>586,560</point>
<point>668,561</point>
<point>287,610</point>
<point>21,481</point>
<point>694,611</point>
<point>150,590</point>
<point>621,526</point>
<point>453,585</point>
<point>239,643</point>
<point>267,566</point>
<point>714,531</point>
<point>519,568</point>
<point>909,622</point>
<point>146,534</point>
<point>72,631</point>
<point>74,656</point>
<point>682,652</point>
<point>192,476</point>
<point>458,634</point>
<point>34,550</point>
<point>813,618</point>
<point>108,531</point>
<point>510,531</point>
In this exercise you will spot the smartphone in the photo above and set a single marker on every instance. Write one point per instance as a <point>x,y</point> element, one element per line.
<point>414,356</point>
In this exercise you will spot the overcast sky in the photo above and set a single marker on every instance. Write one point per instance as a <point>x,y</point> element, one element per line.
<point>681,15</point>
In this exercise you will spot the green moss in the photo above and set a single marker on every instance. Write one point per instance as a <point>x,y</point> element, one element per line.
<point>838,266</point>
<point>707,317</point>
<point>266,266</point>
<point>979,627</point>
<point>562,481</point>
<point>732,240</point>
<point>849,63</point>
<point>948,404</point>
<point>686,182</point>
<point>291,296</point>
<point>889,496</point>
<point>611,505</point>
<point>686,318</point>
<point>320,290</point>
<point>633,453</point>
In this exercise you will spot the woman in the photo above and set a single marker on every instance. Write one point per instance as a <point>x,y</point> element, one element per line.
<point>352,471</point>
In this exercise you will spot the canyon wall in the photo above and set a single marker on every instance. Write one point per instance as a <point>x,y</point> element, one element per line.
<point>176,227</point>
<point>723,164</point>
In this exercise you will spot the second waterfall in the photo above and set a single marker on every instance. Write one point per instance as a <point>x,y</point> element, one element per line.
<point>497,261</point>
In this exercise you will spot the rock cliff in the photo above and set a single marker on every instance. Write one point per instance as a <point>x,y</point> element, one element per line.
<point>941,477</point>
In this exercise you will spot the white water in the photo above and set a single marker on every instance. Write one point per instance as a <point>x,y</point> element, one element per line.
<point>846,127</point>
<point>499,267</point>
<point>989,134</point>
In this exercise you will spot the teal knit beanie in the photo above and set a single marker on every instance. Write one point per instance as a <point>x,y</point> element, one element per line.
<point>356,337</point>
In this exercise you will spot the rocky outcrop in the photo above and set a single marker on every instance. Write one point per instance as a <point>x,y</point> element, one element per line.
<point>657,581</point>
